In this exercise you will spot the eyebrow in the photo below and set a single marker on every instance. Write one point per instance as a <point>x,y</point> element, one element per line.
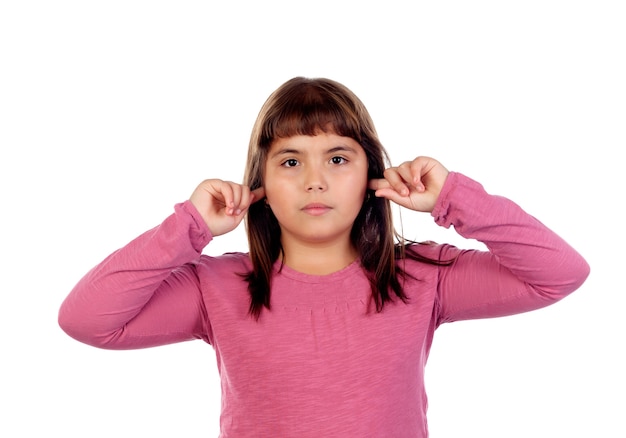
<point>291,151</point>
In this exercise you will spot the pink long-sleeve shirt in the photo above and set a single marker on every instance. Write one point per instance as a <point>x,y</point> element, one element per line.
<point>321,363</point>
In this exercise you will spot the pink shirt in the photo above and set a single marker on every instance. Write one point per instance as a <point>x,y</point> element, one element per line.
<point>321,363</point>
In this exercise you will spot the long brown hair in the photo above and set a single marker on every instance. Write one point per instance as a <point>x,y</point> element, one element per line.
<point>305,106</point>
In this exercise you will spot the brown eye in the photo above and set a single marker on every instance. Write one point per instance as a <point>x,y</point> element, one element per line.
<point>290,163</point>
<point>338,160</point>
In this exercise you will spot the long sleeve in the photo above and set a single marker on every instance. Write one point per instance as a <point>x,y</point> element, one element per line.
<point>527,266</point>
<point>146,293</point>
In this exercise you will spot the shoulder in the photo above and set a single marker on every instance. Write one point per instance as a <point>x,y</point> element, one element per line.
<point>231,262</point>
<point>432,251</point>
<point>226,272</point>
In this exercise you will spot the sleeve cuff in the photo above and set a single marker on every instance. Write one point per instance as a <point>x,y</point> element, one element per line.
<point>199,232</point>
<point>442,206</point>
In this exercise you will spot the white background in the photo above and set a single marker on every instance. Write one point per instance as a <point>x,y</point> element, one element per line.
<point>112,112</point>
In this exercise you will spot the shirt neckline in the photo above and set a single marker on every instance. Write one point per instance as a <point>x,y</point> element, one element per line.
<point>348,271</point>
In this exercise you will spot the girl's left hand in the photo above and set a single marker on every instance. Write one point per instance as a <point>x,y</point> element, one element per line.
<point>413,184</point>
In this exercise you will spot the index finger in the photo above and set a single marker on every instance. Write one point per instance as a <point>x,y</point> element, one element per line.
<point>378,183</point>
<point>258,193</point>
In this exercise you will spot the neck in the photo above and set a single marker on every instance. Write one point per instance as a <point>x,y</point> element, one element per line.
<point>318,259</point>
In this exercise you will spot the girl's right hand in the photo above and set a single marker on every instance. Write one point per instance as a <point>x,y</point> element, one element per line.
<point>223,204</point>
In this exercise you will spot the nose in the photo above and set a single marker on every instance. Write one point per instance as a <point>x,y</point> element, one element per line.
<point>315,180</point>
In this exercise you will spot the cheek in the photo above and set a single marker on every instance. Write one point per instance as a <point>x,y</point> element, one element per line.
<point>355,195</point>
<point>360,185</point>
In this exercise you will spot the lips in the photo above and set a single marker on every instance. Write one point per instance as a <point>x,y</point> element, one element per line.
<point>316,209</point>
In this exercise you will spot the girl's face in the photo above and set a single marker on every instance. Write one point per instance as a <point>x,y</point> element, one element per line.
<point>315,186</point>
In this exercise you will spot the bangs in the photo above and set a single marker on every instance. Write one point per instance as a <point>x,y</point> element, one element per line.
<point>309,109</point>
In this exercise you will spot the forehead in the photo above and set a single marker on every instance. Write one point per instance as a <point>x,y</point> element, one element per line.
<point>323,142</point>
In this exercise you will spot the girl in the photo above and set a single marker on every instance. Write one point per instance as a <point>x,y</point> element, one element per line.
<point>324,327</point>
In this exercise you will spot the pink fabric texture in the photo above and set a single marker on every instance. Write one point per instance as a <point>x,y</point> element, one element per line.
<point>322,362</point>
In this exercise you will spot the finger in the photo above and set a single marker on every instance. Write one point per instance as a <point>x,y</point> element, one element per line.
<point>378,183</point>
<point>396,181</point>
<point>245,199</point>
<point>392,195</point>
<point>248,197</point>
<point>237,191</point>
<point>383,189</point>
<point>419,167</point>
<point>225,190</point>
<point>406,173</point>
<point>258,194</point>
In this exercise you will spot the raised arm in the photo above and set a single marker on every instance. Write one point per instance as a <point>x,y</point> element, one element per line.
<point>144,294</point>
<point>527,265</point>
<point>147,293</point>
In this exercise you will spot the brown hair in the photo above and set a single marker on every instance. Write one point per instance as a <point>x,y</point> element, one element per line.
<point>306,106</point>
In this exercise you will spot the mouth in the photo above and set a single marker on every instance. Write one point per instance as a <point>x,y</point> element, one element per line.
<point>316,209</point>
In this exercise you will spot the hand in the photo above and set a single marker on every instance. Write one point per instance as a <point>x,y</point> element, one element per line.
<point>413,184</point>
<point>223,204</point>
